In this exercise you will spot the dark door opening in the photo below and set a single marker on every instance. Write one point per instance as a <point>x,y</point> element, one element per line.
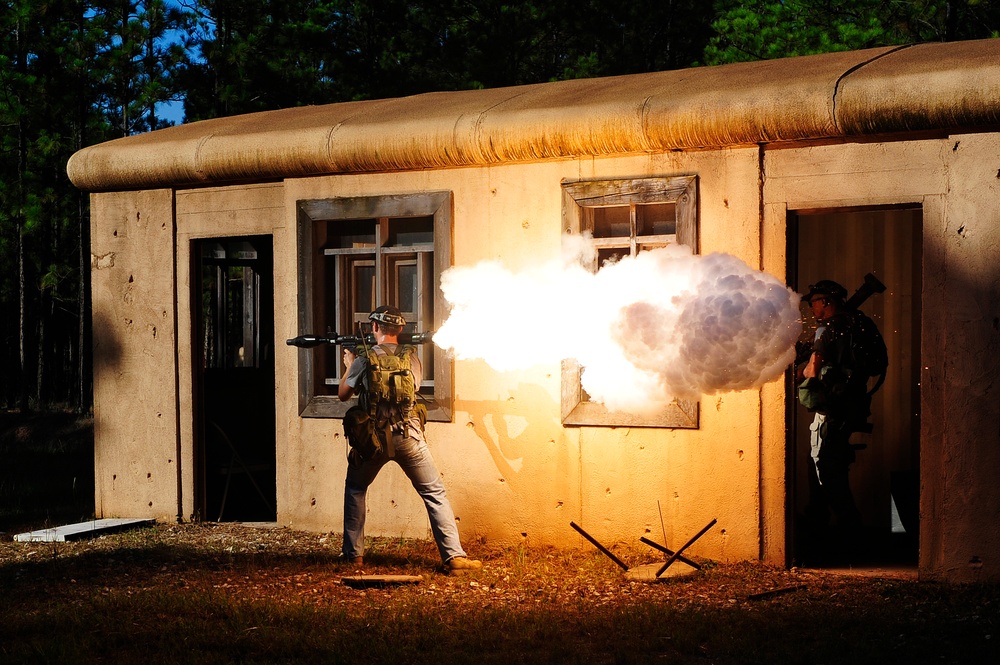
<point>844,245</point>
<point>233,296</point>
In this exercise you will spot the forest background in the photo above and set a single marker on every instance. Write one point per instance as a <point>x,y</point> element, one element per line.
<point>74,73</point>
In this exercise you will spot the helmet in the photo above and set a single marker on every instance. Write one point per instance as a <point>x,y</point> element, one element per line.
<point>388,315</point>
<point>828,288</point>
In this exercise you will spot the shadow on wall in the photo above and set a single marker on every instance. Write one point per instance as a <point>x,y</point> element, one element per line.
<point>107,347</point>
<point>526,442</point>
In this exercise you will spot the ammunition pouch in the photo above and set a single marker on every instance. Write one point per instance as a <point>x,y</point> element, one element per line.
<point>361,433</point>
<point>812,395</point>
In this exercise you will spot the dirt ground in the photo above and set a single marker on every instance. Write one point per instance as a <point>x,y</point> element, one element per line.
<point>555,605</point>
<point>285,567</point>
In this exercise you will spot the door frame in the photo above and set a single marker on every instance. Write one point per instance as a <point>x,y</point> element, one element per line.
<point>265,322</point>
<point>795,447</point>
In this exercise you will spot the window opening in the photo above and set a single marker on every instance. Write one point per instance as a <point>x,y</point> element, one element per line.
<point>351,264</point>
<point>624,218</point>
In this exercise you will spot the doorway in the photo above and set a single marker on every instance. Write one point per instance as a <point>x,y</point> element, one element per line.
<point>845,245</point>
<point>233,296</point>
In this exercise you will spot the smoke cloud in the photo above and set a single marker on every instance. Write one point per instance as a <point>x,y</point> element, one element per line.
<point>645,330</point>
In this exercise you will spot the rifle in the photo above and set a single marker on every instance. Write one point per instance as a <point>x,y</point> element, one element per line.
<point>870,286</point>
<point>352,342</point>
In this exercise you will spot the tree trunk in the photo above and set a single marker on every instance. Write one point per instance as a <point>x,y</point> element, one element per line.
<point>22,297</point>
<point>43,315</point>
<point>22,320</point>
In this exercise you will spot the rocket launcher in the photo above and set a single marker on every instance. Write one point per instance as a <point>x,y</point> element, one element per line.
<point>352,342</point>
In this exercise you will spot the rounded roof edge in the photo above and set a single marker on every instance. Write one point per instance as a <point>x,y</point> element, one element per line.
<point>837,95</point>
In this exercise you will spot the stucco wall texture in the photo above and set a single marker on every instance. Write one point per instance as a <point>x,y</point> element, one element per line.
<point>885,127</point>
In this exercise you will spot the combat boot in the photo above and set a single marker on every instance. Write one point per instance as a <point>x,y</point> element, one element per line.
<point>460,565</point>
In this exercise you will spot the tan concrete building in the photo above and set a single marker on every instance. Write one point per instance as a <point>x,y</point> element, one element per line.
<point>216,241</point>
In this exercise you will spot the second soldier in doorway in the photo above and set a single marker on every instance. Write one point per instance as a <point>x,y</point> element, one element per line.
<point>835,388</point>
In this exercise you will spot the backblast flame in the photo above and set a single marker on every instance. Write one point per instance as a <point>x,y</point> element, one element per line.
<point>645,330</point>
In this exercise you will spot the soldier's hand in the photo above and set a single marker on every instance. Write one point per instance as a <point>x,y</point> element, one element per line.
<point>811,369</point>
<point>348,359</point>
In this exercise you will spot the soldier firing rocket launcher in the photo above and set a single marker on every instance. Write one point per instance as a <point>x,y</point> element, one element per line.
<point>352,342</point>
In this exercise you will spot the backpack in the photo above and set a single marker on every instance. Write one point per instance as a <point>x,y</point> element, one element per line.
<point>866,357</point>
<point>870,357</point>
<point>387,403</point>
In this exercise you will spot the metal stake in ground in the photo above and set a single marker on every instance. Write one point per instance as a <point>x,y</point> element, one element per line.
<point>596,544</point>
<point>676,555</point>
<point>666,550</point>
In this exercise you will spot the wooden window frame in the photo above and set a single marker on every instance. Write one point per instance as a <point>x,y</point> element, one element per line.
<point>580,195</point>
<point>437,205</point>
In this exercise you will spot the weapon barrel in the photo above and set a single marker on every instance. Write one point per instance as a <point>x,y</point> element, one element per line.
<point>308,341</point>
<point>416,338</point>
<point>354,341</point>
<point>870,287</point>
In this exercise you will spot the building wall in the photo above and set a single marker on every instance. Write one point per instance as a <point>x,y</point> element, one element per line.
<point>135,411</point>
<point>961,501</point>
<point>512,471</point>
<point>955,180</point>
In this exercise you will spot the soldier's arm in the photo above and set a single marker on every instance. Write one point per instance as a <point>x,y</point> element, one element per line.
<point>345,391</point>
<point>811,369</point>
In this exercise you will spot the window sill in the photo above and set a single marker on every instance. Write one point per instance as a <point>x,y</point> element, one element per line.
<point>330,406</point>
